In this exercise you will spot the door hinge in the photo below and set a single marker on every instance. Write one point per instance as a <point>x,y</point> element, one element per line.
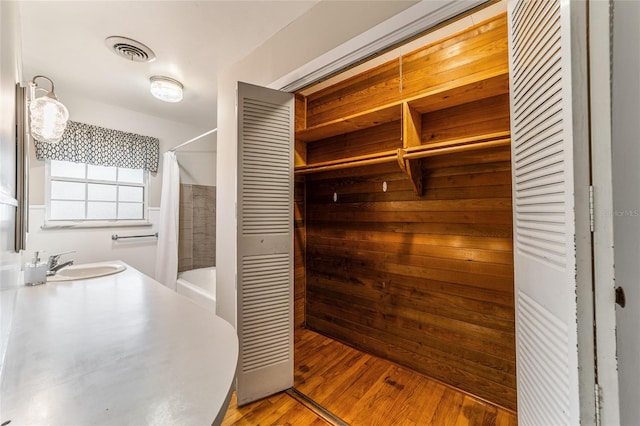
<point>598,395</point>
<point>591,209</point>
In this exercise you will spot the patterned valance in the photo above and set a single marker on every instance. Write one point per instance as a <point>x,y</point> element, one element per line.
<point>84,143</point>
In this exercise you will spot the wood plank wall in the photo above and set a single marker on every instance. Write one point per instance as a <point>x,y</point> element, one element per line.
<point>480,117</point>
<point>383,137</point>
<point>378,86</point>
<point>426,281</point>
<point>480,50</point>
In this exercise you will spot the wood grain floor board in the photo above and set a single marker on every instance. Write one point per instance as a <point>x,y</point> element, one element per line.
<point>316,383</point>
<point>412,403</point>
<point>473,412</point>
<point>386,401</point>
<point>448,408</point>
<point>279,409</point>
<point>504,418</point>
<point>347,402</point>
<point>364,390</point>
<point>426,407</point>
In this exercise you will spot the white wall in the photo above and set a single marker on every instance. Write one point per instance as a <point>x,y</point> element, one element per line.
<point>196,168</point>
<point>197,162</point>
<point>95,244</point>
<point>9,75</point>
<point>303,40</point>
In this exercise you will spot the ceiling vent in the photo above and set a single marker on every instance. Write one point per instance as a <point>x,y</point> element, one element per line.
<point>130,49</point>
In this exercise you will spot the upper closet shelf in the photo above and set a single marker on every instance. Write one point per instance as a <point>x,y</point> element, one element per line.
<point>351,123</point>
<point>476,86</point>
<point>472,88</point>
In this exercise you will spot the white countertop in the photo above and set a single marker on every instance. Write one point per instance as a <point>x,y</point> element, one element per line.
<point>115,350</point>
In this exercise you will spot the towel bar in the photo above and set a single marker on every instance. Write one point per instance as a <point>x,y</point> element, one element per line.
<point>116,237</point>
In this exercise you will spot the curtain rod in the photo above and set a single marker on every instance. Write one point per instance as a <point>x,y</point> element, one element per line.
<point>194,139</point>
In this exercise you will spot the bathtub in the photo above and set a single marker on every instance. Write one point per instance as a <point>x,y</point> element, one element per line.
<point>199,285</point>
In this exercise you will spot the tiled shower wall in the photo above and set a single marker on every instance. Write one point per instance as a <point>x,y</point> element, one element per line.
<point>197,241</point>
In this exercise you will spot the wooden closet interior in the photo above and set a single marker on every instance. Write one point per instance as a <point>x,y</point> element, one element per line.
<point>403,212</point>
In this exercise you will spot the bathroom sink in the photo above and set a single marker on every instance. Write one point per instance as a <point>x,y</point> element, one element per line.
<point>86,270</point>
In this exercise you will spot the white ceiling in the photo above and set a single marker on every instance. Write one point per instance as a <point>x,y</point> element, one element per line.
<point>192,40</point>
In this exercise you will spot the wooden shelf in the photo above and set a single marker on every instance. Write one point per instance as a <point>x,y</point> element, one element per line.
<point>469,89</point>
<point>472,141</point>
<point>345,163</point>
<point>366,119</point>
<point>461,91</point>
<point>410,111</point>
<point>453,148</point>
<point>411,156</point>
<point>404,157</point>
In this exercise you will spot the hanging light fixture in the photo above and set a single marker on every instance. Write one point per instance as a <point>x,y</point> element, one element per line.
<point>48,116</point>
<point>166,89</point>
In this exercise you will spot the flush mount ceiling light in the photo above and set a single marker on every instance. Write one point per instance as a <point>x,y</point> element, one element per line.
<point>48,116</point>
<point>166,89</point>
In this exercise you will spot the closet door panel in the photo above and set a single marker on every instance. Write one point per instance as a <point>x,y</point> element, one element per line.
<point>554,339</point>
<point>265,242</point>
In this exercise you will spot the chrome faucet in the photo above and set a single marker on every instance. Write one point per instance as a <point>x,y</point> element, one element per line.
<point>52,264</point>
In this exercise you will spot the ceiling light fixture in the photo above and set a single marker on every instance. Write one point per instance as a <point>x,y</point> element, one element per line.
<point>48,116</point>
<point>166,89</point>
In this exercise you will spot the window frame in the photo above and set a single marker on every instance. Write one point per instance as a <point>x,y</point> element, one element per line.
<point>94,223</point>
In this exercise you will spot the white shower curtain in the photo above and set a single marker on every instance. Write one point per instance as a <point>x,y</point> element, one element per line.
<point>167,253</point>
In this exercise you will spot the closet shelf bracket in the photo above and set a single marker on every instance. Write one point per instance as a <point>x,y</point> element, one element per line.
<point>413,170</point>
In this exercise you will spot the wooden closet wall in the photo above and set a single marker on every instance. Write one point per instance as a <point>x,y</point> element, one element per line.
<point>403,212</point>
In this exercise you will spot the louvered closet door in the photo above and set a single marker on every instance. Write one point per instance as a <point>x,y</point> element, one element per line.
<point>265,242</point>
<point>548,122</point>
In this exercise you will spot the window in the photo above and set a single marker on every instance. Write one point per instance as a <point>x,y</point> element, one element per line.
<point>81,192</point>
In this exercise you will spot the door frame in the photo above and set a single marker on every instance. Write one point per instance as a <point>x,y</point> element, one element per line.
<point>608,411</point>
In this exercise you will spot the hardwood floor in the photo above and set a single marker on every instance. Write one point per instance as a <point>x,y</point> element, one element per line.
<point>362,389</point>
<point>279,409</point>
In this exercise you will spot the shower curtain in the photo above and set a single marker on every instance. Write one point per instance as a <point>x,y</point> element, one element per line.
<point>167,253</point>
